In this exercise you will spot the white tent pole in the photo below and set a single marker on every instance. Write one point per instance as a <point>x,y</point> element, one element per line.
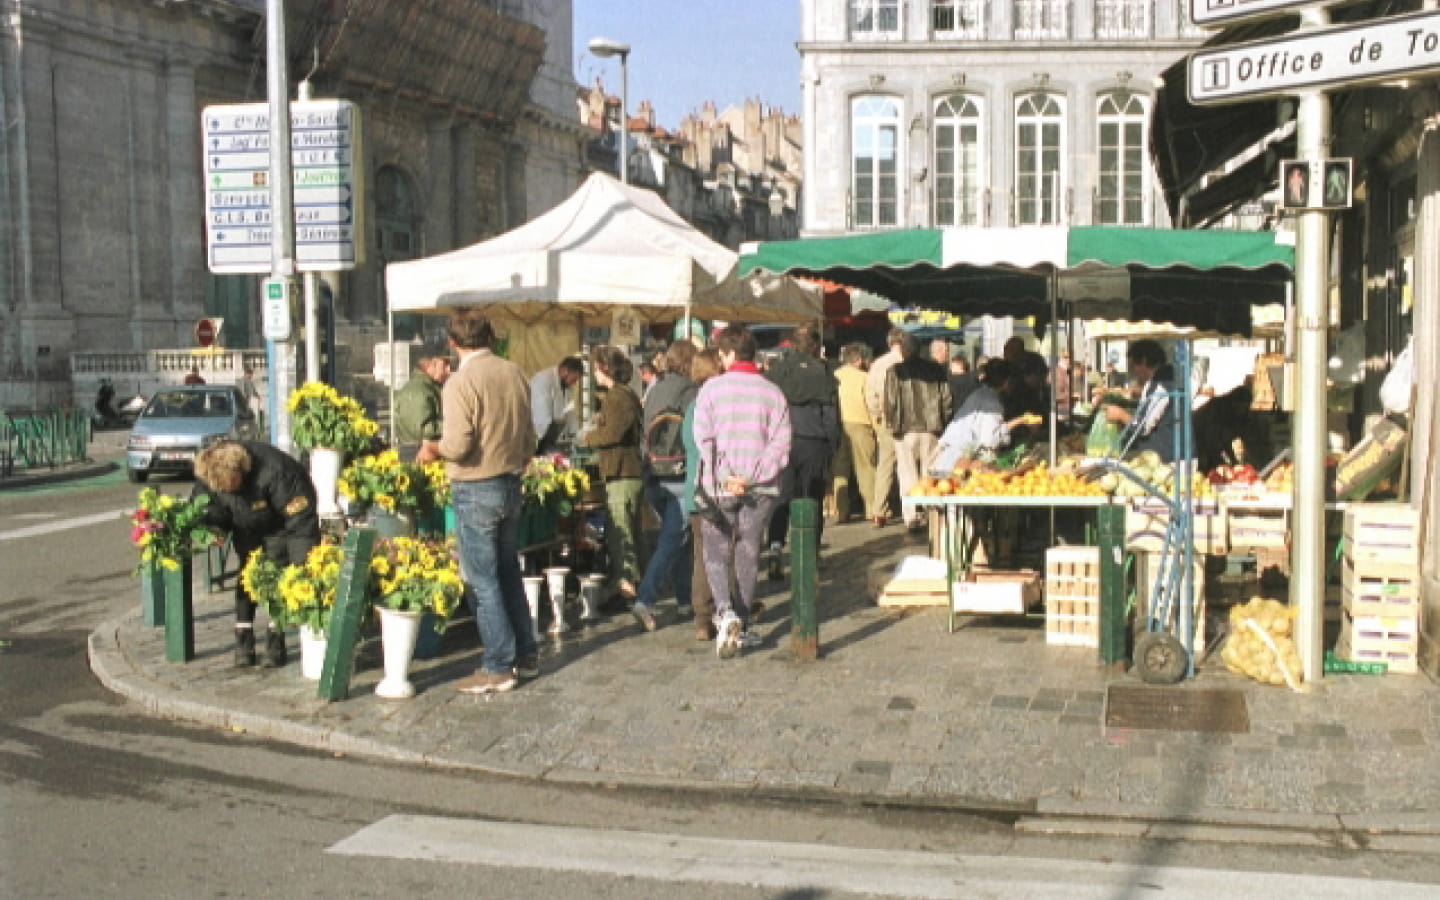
<point>390,337</point>
<point>1054,359</point>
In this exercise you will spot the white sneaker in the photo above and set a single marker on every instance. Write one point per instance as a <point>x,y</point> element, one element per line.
<point>727,637</point>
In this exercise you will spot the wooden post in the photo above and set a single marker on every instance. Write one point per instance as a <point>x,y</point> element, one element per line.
<point>350,602</point>
<point>1111,521</point>
<point>804,579</point>
<point>179,612</point>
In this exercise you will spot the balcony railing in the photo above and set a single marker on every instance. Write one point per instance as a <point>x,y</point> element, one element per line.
<point>1042,20</point>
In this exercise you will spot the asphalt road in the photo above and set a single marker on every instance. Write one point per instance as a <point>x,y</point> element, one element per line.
<point>96,798</point>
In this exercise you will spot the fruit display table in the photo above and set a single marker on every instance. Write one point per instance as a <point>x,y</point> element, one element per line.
<point>956,539</point>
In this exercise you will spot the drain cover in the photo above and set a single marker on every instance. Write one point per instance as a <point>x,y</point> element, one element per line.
<point>1175,709</point>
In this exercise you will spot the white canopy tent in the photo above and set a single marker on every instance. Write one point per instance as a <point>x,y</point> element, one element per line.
<point>608,245</point>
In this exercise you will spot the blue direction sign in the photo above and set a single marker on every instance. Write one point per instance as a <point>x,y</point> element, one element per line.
<point>325,157</point>
<point>1375,50</point>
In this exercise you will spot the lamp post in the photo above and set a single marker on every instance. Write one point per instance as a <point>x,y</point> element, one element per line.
<point>604,47</point>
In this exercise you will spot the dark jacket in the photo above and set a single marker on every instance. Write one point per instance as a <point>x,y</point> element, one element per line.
<point>917,396</point>
<point>1153,424</point>
<point>616,436</point>
<point>273,509</point>
<point>417,411</point>
<point>811,392</point>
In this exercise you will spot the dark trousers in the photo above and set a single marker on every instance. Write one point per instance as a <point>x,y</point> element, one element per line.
<point>804,478</point>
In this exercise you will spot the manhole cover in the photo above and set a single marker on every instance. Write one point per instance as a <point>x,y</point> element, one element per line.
<point>1175,709</point>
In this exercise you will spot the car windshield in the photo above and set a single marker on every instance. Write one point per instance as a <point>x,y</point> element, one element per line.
<point>188,405</point>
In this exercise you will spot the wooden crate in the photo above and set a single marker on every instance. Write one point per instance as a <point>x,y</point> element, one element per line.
<point>1259,529</point>
<point>1146,523</point>
<point>1072,596</point>
<point>916,581</point>
<point>1383,532</point>
<point>1372,639</point>
<point>1381,589</point>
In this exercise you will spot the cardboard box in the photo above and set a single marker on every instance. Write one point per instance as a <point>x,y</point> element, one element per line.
<point>1376,456</point>
<point>997,592</point>
<point>1146,524</point>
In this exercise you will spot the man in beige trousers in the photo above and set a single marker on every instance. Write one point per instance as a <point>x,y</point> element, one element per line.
<point>856,457</point>
<point>884,438</point>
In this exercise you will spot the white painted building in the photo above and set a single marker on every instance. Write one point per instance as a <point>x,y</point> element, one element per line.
<point>934,113</point>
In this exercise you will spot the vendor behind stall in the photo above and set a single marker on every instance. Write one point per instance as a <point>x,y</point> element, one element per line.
<point>1151,426</point>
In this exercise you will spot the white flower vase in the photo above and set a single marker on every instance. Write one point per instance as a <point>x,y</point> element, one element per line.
<point>325,473</point>
<point>556,577</point>
<point>590,587</point>
<point>398,631</point>
<point>534,587</point>
<point>312,653</point>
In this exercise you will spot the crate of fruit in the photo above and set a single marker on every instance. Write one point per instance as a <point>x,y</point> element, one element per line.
<point>1376,639</point>
<point>1382,532</point>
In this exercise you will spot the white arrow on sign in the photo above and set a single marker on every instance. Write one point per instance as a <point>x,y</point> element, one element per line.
<point>1352,54</point>
<point>1204,12</point>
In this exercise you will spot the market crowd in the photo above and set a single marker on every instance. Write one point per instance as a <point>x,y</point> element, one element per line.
<point>714,441</point>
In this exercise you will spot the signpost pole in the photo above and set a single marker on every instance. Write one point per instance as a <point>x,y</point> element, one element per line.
<point>312,295</point>
<point>1312,251</point>
<point>282,205</point>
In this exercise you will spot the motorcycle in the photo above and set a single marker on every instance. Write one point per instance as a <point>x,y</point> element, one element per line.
<point>106,415</point>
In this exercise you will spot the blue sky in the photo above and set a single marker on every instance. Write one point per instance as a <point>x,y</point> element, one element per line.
<point>685,52</point>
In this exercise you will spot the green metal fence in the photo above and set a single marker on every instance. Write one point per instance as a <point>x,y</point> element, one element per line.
<point>42,438</point>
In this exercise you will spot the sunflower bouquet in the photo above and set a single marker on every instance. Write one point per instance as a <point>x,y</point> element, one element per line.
<point>307,592</point>
<point>168,529</point>
<point>553,480</point>
<point>417,575</point>
<point>437,482</point>
<point>384,482</point>
<point>261,578</point>
<point>321,417</point>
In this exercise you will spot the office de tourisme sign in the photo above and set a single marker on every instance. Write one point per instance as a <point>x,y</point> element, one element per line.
<point>1377,50</point>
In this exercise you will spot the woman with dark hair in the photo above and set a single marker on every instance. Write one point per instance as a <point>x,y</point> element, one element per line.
<point>1152,425</point>
<point>664,478</point>
<point>616,439</point>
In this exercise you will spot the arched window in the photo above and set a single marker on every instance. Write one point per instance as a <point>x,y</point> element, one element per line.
<point>1039,150</point>
<point>874,162</point>
<point>396,232</point>
<point>959,143</point>
<point>1121,121</point>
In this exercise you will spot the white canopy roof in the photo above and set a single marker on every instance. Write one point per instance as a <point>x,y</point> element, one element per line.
<point>608,244</point>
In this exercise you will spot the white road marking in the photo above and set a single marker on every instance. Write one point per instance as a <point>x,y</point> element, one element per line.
<point>63,525</point>
<point>818,867</point>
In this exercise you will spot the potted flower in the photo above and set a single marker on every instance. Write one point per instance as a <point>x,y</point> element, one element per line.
<point>412,578</point>
<point>550,486</point>
<point>327,425</point>
<point>381,483</point>
<point>168,531</point>
<point>300,595</point>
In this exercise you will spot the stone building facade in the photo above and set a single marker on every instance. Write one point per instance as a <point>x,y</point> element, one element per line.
<point>934,113</point>
<point>468,131</point>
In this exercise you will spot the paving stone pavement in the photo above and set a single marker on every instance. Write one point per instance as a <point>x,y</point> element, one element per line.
<point>896,710</point>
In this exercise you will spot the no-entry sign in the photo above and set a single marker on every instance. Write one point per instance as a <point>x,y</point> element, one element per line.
<point>206,330</point>
<point>1378,50</point>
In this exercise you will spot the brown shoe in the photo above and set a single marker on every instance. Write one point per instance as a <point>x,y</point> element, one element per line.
<point>880,521</point>
<point>705,633</point>
<point>486,683</point>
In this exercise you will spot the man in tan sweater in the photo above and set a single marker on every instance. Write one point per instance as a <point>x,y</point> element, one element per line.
<point>486,440</point>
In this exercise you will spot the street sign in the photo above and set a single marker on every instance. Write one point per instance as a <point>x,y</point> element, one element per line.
<point>1378,50</point>
<point>328,176</point>
<point>1207,12</point>
<point>275,314</point>
<point>207,330</point>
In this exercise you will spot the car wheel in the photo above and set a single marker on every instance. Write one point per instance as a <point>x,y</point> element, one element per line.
<point>136,476</point>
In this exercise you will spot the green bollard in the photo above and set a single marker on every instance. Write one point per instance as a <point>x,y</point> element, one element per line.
<point>152,596</point>
<point>1111,520</point>
<point>804,579</point>
<point>179,612</point>
<point>350,604</point>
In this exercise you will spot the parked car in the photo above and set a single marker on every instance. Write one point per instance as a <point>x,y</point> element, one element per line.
<point>180,422</point>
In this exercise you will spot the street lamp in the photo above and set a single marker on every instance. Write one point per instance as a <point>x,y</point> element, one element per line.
<point>604,47</point>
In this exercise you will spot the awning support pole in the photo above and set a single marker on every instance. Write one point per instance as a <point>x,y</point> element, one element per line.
<point>1312,250</point>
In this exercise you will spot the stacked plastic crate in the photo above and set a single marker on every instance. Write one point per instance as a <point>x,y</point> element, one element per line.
<point>1072,596</point>
<point>1381,582</point>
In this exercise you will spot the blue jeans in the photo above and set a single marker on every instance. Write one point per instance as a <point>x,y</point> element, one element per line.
<point>487,520</point>
<point>672,547</point>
